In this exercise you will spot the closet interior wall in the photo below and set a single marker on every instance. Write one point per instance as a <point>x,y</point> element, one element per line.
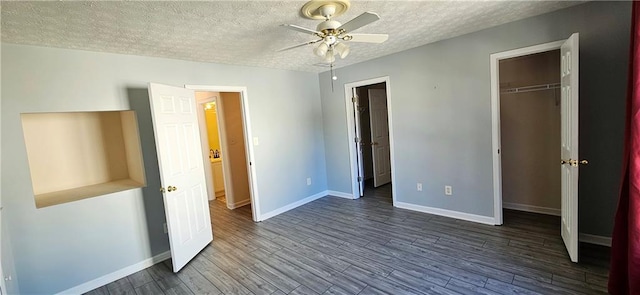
<point>530,132</point>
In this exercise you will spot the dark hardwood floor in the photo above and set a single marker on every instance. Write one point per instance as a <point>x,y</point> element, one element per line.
<point>365,246</point>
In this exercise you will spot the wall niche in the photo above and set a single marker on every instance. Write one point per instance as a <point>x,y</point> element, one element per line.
<point>78,155</point>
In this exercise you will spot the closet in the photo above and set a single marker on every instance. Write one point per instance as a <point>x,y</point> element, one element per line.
<point>530,132</point>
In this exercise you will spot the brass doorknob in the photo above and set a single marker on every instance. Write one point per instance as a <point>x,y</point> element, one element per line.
<point>172,188</point>
<point>374,143</point>
<point>584,162</point>
<point>162,189</point>
<point>562,162</point>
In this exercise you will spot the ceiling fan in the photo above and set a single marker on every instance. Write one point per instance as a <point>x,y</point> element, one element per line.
<point>331,34</point>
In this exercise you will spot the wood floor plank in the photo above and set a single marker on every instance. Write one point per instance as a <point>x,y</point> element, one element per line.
<point>180,289</point>
<point>399,264</point>
<point>218,277</point>
<point>379,282</point>
<point>277,278</point>
<point>140,278</point>
<point>299,274</point>
<point>468,289</point>
<point>418,283</point>
<point>248,278</point>
<point>150,288</point>
<point>340,281</point>
<point>196,282</point>
<point>121,287</point>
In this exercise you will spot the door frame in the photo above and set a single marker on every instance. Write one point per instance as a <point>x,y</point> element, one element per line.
<point>349,111</point>
<point>249,151</point>
<point>495,116</point>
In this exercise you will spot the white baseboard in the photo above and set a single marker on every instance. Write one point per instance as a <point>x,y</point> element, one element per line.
<point>286,208</point>
<point>447,213</point>
<point>340,194</point>
<point>239,204</point>
<point>118,274</point>
<point>531,208</point>
<point>593,239</point>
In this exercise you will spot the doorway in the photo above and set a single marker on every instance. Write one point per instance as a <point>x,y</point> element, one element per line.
<point>223,113</point>
<point>567,162</point>
<point>530,132</point>
<point>369,122</point>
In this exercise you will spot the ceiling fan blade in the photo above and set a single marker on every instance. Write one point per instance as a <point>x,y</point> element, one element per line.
<point>300,29</point>
<point>300,45</point>
<point>368,38</point>
<point>360,21</point>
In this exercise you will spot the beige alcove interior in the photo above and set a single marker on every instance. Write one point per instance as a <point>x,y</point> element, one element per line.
<point>78,155</point>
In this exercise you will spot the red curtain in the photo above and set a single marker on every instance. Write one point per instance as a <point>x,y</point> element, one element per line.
<point>624,274</point>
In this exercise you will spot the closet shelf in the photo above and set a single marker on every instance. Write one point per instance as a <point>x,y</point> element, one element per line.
<point>531,88</point>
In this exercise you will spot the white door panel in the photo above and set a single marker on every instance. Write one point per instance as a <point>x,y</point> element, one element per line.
<point>181,171</point>
<point>569,144</point>
<point>380,136</point>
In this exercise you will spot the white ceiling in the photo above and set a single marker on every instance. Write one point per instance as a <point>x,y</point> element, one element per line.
<point>245,32</point>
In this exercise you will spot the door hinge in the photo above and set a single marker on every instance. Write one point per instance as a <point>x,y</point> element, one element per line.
<point>359,178</point>
<point>357,140</point>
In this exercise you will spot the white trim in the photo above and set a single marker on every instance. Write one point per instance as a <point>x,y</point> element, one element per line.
<point>253,179</point>
<point>446,213</point>
<point>118,274</point>
<point>340,194</point>
<point>293,205</point>
<point>531,208</point>
<point>239,204</point>
<point>348,90</point>
<point>494,60</point>
<point>596,240</point>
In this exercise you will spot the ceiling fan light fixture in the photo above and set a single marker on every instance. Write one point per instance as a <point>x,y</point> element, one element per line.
<point>329,57</point>
<point>321,50</point>
<point>342,49</point>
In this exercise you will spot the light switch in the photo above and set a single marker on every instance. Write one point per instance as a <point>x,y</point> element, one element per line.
<point>256,141</point>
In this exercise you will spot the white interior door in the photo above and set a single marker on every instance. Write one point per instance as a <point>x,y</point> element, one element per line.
<point>358,140</point>
<point>175,125</point>
<point>380,146</point>
<point>569,139</point>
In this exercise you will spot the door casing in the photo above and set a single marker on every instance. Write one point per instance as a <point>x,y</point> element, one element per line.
<point>349,113</point>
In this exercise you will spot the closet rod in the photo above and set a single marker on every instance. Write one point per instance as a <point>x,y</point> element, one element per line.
<point>531,88</point>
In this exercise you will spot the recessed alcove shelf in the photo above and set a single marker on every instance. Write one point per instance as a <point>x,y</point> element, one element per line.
<point>79,155</point>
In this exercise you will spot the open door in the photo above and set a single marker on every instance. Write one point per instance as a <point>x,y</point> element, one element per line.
<point>380,146</point>
<point>175,126</point>
<point>358,140</point>
<point>569,144</point>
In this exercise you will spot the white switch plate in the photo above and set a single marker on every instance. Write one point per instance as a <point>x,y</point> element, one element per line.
<point>309,181</point>
<point>419,186</point>
<point>448,190</point>
<point>256,141</point>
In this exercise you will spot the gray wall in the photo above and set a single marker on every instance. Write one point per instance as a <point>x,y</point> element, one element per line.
<point>59,247</point>
<point>440,102</point>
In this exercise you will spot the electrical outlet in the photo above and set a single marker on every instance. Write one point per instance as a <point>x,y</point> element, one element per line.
<point>419,187</point>
<point>164,226</point>
<point>308,180</point>
<point>448,190</point>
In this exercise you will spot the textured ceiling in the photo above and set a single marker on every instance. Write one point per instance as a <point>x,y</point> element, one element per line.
<point>245,32</point>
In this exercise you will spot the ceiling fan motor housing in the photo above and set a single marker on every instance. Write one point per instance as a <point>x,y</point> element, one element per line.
<point>328,25</point>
